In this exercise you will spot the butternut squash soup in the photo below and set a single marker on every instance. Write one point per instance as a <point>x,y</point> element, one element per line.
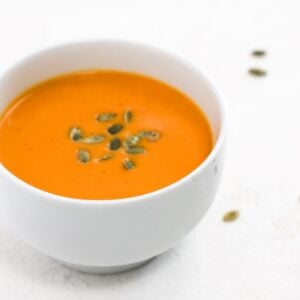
<point>103,135</point>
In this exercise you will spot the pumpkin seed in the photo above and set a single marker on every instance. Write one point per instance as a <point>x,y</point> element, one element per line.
<point>135,150</point>
<point>257,72</point>
<point>115,144</point>
<point>128,164</point>
<point>75,133</point>
<point>231,216</point>
<point>93,139</point>
<point>258,52</point>
<point>83,156</point>
<point>104,117</point>
<point>114,129</point>
<point>150,135</point>
<point>128,115</point>
<point>132,141</point>
<point>105,157</point>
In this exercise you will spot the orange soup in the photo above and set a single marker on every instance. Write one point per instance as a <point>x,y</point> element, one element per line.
<point>103,135</point>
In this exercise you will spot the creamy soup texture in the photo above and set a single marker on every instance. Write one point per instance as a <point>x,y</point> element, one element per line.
<point>103,135</point>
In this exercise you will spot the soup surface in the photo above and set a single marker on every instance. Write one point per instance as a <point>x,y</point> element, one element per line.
<point>103,135</point>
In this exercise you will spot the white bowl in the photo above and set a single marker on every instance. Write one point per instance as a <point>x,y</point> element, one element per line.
<point>114,235</point>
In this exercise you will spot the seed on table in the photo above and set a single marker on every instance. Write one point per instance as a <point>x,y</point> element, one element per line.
<point>231,216</point>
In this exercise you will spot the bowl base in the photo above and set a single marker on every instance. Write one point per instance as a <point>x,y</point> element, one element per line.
<point>105,270</point>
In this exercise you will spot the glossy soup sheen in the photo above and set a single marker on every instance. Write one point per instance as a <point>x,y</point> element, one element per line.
<point>35,142</point>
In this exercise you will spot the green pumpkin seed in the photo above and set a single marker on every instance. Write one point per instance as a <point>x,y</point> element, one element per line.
<point>128,164</point>
<point>83,156</point>
<point>75,133</point>
<point>259,53</point>
<point>93,139</point>
<point>257,72</point>
<point>115,144</point>
<point>143,133</point>
<point>132,141</point>
<point>106,117</point>
<point>106,157</point>
<point>128,115</point>
<point>114,129</point>
<point>135,150</point>
<point>231,216</point>
<point>150,135</point>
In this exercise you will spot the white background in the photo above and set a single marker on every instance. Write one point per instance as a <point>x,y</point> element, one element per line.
<point>256,257</point>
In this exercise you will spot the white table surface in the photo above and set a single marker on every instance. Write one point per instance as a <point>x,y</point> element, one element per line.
<point>256,257</point>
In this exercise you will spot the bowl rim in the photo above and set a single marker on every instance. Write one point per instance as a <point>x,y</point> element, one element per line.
<point>139,198</point>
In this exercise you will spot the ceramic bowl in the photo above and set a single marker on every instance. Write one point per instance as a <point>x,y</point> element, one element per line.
<point>112,235</point>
